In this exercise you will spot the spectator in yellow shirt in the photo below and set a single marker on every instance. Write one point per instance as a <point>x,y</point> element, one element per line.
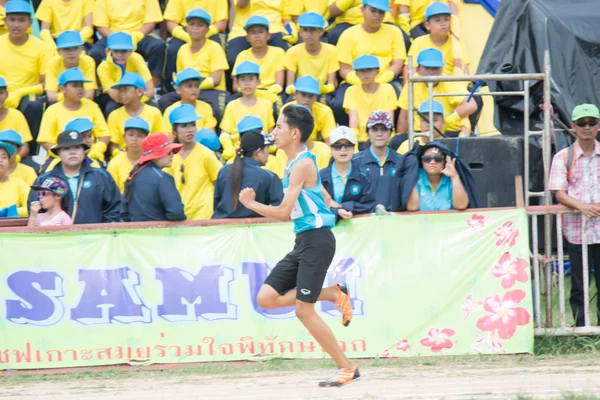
<point>13,191</point>
<point>411,15</point>
<point>247,79</point>
<point>195,168</point>
<point>70,55</point>
<point>58,16</point>
<point>177,15</point>
<point>135,130</point>
<point>401,142</point>
<point>138,18</point>
<point>131,89</point>
<point>11,118</point>
<point>370,96</point>
<point>24,63</point>
<point>343,14</point>
<point>16,168</point>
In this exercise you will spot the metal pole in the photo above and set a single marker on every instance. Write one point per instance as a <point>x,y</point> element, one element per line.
<point>483,77</point>
<point>561,271</point>
<point>430,89</point>
<point>585,266</point>
<point>526,142</point>
<point>547,152</point>
<point>411,106</point>
<point>536,274</point>
<point>515,93</point>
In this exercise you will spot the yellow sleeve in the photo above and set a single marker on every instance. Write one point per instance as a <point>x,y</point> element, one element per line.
<point>218,59</point>
<point>390,97</point>
<point>398,46</point>
<point>328,122</point>
<point>157,124</point>
<point>279,55</point>
<point>48,127</point>
<point>181,59</point>
<point>402,2</point>
<point>51,82</point>
<point>113,129</point>
<point>106,75</point>
<point>290,61</point>
<point>44,13</point>
<point>88,7</point>
<point>152,12</point>
<point>20,125</point>
<point>344,47</point>
<point>228,122</point>
<point>296,8</point>
<point>350,101</point>
<point>403,99</point>
<point>100,17</point>
<point>44,57</point>
<point>88,67</point>
<point>23,199</point>
<point>333,64</point>
<point>208,119</point>
<point>113,170</point>
<point>211,164</point>
<point>454,87</point>
<point>270,121</point>
<point>141,67</point>
<point>222,13</point>
<point>174,11</point>
<point>100,127</point>
<point>286,9</point>
<point>415,49</point>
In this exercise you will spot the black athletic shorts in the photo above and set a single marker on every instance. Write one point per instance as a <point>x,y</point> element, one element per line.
<point>306,266</point>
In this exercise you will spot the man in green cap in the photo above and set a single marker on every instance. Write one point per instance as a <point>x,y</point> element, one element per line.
<point>575,180</point>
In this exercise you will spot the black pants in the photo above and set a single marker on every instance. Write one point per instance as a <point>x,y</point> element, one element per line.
<point>576,259</point>
<point>151,48</point>
<point>33,107</point>
<point>336,32</point>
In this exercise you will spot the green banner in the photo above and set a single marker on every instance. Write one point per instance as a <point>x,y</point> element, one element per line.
<point>456,283</point>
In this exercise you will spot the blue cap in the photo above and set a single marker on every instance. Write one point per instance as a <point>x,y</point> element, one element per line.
<point>438,108</point>
<point>183,114</point>
<point>131,79</point>
<point>432,58</point>
<point>383,5</point>
<point>137,123</point>
<point>119,41</point>
<point>247,68</point>
<point>71,75</point>
<point>437,8</point>
<point>199,13</point>
<point>365,62</point>
<point>9,148</point>
<point>17,7</point>
<point>3,83</point>
<point>79,125</point>
<point>68,39</point>
<point>208,138</point>
<point>311,20</point>
<point>256,20</point>
<point>186,75</point>
<point>249,123</point>
<point>11,136</point>
<point>307,84</point>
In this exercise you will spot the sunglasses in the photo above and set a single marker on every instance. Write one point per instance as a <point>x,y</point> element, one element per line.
<point>43,193</point>
<point>340,146</point>
<point>182,170</point>
<point>428,159</point>
<point>590,123</point>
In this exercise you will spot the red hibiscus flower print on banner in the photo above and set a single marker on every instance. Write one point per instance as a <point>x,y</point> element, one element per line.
<point>505,316</point>
<point>402,345</point>
<point>471,306</point>
<point>438,339</point>
<point>478,221</point>
<point>506,234</point>
<point>510,270</point>
<point>386,353</point>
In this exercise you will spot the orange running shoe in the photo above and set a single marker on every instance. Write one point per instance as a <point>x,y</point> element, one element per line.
<point>343,303</point>
<point>342,377</point>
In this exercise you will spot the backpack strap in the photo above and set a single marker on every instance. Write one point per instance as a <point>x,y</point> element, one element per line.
<point>570,161</point>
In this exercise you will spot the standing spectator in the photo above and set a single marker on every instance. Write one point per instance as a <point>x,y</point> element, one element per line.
<point>11,118</point>
<point>574,179</point>
<point>150,193</point>
<point>94,195</point>
<point>52,197</point>
<point>13,191</point>
<point>135,131</point>
<point>16,169</point>
<point>58,16</point>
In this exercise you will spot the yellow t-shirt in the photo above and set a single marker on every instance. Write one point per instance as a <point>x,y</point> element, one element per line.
<point>14,191</point>
<point>273,10</point>
<point>16,120</point>
<point>117,118</point>
<point>209,59</point>
<point>3,28</point>
<point>321,151</point>
<point>418,7</point>
<point>270,64</point>
<point>200,170</point>
<point>177,9</point>
<point>421,93</point>
<point>236,111</point>
<point>298,7</point>
<point>324,120</point>
<point>57,117</point>
<point>56,66</point>
<point>403,149</point>
<point>297,59</point>
<point>119,168</point>
<point>63,16</point>
<point>424,42</point>
<point>202,109</point>
<point>384,99</point>
<point>126,16</point>
<point>27,62</point>
<point>351,15</point>
<point>110,73</point>
<point>25,173</point>
<point>386,44</point>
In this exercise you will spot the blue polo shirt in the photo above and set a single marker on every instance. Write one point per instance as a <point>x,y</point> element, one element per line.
<point>429,200</point>
<point>339,183</point>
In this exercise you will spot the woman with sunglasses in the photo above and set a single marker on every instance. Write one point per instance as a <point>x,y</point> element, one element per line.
<point>349,188</point>
<point>52,197</point>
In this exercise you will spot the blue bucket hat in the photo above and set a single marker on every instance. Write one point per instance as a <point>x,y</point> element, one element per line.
<point>307,84</point>
<point>183,114</point>
<point>249,123</point>
<point>79,125</point>
<point>119,41</point>
<point>11,136</point>
<point>17,7</point>
<point>256,20</point>
<point>68,39</point>
<point>366,61</point>
<point>199,13</point>
<point>438,108</point>
<point>437,8</point>
<point>9,148</point>
<point>247,68</point>
<point>208,138</point>
<point>431,58</point>
<point>3,83</point>
<point>311,20</point>
<point>131,79</point>
<point>137,123</point>
<point>383,5</point>
<point>71,75</point>
<point>186,75</point>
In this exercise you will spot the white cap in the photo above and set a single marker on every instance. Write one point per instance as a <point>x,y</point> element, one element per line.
<point>342,132</point>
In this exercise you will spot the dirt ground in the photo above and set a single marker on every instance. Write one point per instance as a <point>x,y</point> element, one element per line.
<point>508,379</point>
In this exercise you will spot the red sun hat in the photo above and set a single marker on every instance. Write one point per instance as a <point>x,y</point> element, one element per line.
<point>156,146</point>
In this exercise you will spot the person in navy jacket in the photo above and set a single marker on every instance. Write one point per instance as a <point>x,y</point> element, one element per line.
<point>349,188</point>
<point>150,193</point>
<point>246,172</point>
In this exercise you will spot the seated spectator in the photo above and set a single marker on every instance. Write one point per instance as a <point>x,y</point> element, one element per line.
<point>378,162</point>
<point>209,139</point>
<point>246,172</point>
<point>11,118</point>
<point>246,76</point>
<point>72,106</point>
<point>456,108</point>
<point>349,188</point>
<point>277,14</point>
<point>13,191</point>
<point>251,123</point>
<point>15,168</point>
<point>70,55</point>
<point>137,18</point>
<point>131,90</point>
<point>345,14</point>
<point>150,194</point>
<point>364,99</point>
<point>52,197</point>
<point>401,143</point>
<point>94,196</point>
<point>31,55</point>
<point>195,168</point>
<point>135,131</point>
<point>411,16</point>
<point>178,14</point>
<point>120,59</point>
<point>58,16</point>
